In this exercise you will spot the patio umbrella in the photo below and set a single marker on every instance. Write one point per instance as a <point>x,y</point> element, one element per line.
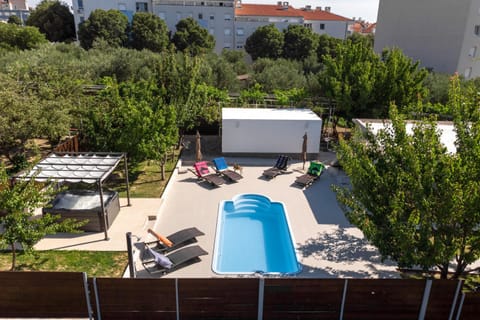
<point>198,148</point>
<point>304,150</point>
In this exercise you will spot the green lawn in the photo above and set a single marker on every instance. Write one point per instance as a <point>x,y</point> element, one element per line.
<point>94,263</point>
<point>145,182</point>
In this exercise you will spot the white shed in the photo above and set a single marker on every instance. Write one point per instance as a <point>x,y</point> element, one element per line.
<point>260,130</point>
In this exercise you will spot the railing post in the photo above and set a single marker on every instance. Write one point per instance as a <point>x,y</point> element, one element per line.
<point>426,296</point>
<point>131,266</point>
<point>261,294</point>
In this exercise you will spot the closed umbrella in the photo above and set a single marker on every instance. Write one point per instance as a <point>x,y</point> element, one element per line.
<point>198,148</point>
<point>304,150</point>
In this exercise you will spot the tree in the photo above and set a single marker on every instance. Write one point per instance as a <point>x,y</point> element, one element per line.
<point>265,42</point>
<point>192,38</point>
<point>18,202</point>
<point>299,42</point>
<point>109,26</point>
<point>411,198</point>
<point>13,36</point>
<point>54,19</point>
<point>327,46</point>
<point>363,85</point>
<point>149,32</point>
<point>15,20</point>
<point>278,74</point>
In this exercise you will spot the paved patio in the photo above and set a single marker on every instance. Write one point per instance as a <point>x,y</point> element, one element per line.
<point>327,245</point>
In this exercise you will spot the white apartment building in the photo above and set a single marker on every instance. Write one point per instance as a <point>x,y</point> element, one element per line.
<point>444,35</point>
<point>217,16</point>
<point>231,22</point>
<point>13,8</point>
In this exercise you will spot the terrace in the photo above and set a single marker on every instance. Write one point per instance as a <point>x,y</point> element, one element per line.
<point>327,245</point>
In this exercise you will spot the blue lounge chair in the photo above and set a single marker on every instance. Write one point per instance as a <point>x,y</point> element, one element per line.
<point>221,167</point>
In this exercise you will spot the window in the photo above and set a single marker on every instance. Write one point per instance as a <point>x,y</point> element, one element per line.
<point>122,6</point>
<point>472,52</point>
<point>212,16</point>
<point>189,15</point>
<point>322,26</point>
<point>476,30</point>
<point>212,31</point>
<point>227,45</point>
<point>240,32</point>
<point>239,46</point>
<point>200,16</point>
<point>161,14</point>
<point>308,25</point>
<point>141,7</point>
<point>228,17</point>
<point>80,4</point>
<point>227,32</point>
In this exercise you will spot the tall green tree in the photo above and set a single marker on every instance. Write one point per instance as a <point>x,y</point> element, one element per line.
<point>149,32</point>
<point>350,79</point>
<point>299,42</point>
<point>364,85</point>
<point>18,202</point>
<point>413,199</point>
<point>192,38</point>
<point>108,26</point>
<point>265,42</point>
<point>54,19</point>
<point>327,46</point>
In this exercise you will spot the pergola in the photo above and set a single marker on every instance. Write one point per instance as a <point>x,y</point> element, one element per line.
<point>88,167</point>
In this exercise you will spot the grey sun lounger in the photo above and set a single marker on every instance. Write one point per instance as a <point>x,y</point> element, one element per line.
<point>279,167</point>
<point>222,168</point>
<point>154,262</point>
<point>179,239</point>
<point>203,173</point>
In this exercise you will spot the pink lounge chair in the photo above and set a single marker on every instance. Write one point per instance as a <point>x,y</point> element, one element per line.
<point>203,173</point>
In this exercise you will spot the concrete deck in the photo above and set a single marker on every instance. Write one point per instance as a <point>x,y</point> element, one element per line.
<point>328,246</point>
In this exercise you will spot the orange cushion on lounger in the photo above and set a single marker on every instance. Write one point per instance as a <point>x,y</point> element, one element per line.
<point>161,238</point>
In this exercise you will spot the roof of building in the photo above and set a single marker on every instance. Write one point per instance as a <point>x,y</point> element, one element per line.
<point>269,10</point>
<point>317,14</point>
<point>268,114</point>
<point>276,10</point>
<point>363,27</point>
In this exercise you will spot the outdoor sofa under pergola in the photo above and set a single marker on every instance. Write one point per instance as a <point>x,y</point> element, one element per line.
<point>74,167</point>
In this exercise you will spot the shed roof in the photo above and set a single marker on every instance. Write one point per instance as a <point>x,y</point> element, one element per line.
<point>74,167</point>
<point>445,128</point>
<point>268,114</point>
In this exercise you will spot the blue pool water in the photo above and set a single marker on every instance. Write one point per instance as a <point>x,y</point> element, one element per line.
<point>253,235</point>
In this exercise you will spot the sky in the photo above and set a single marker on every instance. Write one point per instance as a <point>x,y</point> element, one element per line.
<point>365,9</point>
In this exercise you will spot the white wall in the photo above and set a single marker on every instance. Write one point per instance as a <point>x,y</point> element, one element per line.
<point>270,135</point>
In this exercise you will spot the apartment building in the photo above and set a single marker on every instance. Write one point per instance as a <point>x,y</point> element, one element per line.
<point>217,16</point>
<point>17,8</point>
<point>230,22</point>
<point>444,35</point>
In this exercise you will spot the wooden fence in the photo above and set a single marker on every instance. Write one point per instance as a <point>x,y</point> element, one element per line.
<point>72,295</point>
<point>69,145</point>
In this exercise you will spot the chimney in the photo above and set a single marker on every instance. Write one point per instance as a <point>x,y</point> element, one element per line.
<point>327,9</point>
<point>238,3</point>
<point>318,8</point>
<point>308,8</point>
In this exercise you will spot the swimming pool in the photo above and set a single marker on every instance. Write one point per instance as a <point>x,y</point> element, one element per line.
<point>253,236</point>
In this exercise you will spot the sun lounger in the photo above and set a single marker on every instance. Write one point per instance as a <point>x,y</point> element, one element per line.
<point>155,262</point>
<point>279,167</point>
<point>222,168</point>
<point>203,173</point>
<point>178,239</point>
<point>314,171</point>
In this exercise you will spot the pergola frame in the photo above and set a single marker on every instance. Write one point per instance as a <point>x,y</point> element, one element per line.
<point>49,169</point>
